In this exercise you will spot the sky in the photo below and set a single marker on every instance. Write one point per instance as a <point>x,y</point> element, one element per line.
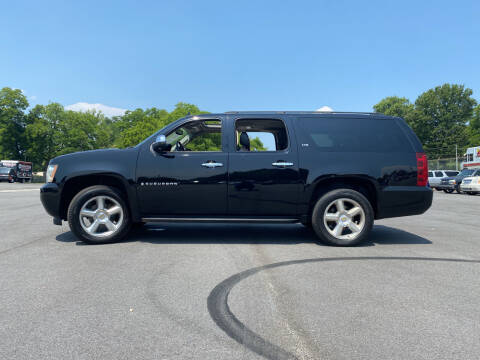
<point>236,55</point>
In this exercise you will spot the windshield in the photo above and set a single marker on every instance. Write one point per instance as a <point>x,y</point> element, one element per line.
<point>466,172</point>
<point>4,170</point>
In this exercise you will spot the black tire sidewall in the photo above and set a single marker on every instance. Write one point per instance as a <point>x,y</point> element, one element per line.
<point>319,210</point>
<point>79,200</point>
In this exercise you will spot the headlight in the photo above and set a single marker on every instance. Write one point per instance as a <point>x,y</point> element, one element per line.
<point>51,170</point>
<point>452,182</point>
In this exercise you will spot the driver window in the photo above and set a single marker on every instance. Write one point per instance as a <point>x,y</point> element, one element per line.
<point>201,135</point>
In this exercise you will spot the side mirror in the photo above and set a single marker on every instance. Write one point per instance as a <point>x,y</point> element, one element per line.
<point>160,144</point>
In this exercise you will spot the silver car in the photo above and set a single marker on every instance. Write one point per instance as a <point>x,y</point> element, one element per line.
<point>435,176</point>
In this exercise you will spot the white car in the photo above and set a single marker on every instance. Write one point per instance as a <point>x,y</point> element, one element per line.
<point>434,176</point>
<point>471,185</point>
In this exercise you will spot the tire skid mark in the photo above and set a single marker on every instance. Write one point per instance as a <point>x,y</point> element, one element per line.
<point>217,302</point>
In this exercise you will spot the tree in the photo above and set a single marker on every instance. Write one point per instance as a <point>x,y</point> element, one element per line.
<point>257,145</point>
<point>52,131</point>
<point>473,130</point>
<point>439,117</point>
<point>12,123</point>
<point>444,111</point>
<point>395,106</point>
<point>42,133</point>
<point>137,125</point>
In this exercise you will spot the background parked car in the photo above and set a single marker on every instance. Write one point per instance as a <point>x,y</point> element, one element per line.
<point>471,184</point>
<point>23,169</point>
<point>7,174</point>
<point>435,177</point>
<point>449,184</point>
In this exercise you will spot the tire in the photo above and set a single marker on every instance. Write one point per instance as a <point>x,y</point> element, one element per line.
<point>362,220</point>
<point>110,227</point>
<point>448,191</point>
<point>457,189</point>
<point>438,189</point>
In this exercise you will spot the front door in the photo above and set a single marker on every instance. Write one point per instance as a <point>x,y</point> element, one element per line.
<point>263,168</point>
<point>191,178</point>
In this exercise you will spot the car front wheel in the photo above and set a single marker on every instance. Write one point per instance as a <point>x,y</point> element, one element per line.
<point>98,215</point>
<point>342,217</point>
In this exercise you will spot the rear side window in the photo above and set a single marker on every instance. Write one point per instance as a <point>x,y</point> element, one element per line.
<point>451,173</point>
<point>438,174</point>
<point>430,174</point>
<point>353,135</point>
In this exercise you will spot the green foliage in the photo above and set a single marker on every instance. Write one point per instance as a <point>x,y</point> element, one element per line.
<point>394,106</point>
<point>52,131</point>
<point>473,130</point>
<point>139,124</point>
<point>445,112</point>
<point>257,145</point>
<point>12,123</point>
<point>206,142</point>
<point>439,117</point>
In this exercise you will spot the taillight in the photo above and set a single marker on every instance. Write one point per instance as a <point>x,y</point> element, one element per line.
<point>422,169</point>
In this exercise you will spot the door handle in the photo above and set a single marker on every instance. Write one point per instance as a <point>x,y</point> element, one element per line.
<point>282,164</point>
<point>212,164</point>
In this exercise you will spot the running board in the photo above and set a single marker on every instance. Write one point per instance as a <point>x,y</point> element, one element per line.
<point>262,220</point>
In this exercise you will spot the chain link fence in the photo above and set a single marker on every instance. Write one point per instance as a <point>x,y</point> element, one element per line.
<point>445,163</point>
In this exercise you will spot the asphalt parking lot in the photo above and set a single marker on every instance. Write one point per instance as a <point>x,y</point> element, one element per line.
<point>205,292</point>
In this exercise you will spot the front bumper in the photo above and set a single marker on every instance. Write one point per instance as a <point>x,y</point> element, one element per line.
<point>446,186</point>
<point>50,197</point>
<point>470,187</point>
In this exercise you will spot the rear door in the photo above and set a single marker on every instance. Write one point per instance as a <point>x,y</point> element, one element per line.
<point>264,177</point>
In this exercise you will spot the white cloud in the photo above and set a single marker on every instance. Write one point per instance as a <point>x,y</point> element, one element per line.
<point>106,110</point>
<point>325,108</point>
<point>33,97</point>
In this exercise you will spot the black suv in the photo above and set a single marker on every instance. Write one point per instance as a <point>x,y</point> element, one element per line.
<point>334,172</point>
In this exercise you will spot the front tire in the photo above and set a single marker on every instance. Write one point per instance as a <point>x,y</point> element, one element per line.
<point>342,217</point>
<point>448,191</point>
<point>99,215</point>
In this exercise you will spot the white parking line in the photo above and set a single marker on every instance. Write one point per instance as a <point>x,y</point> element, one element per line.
<point>19,190</point>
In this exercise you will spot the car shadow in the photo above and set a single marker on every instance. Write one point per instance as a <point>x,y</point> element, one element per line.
<point>249,234</point>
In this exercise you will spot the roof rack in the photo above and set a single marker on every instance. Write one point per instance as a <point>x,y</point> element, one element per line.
<point>303,112</point>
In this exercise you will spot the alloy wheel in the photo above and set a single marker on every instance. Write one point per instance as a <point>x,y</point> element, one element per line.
<point>101,216</point>
<point>344,219</point>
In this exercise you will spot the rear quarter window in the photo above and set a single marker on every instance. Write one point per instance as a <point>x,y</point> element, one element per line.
<point>352,135</point>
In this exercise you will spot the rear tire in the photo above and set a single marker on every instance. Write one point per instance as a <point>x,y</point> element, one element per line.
<point>448,191</point>
<point>342,217</point>
<point>99,215</point>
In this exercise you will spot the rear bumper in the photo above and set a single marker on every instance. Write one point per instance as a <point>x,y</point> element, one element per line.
<point>50,197</point>
<point>397,201</point>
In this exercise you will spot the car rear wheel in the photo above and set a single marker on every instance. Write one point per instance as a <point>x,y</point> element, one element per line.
<point>342,217</point>
<point>98,215</point>
<point>448,191</point>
